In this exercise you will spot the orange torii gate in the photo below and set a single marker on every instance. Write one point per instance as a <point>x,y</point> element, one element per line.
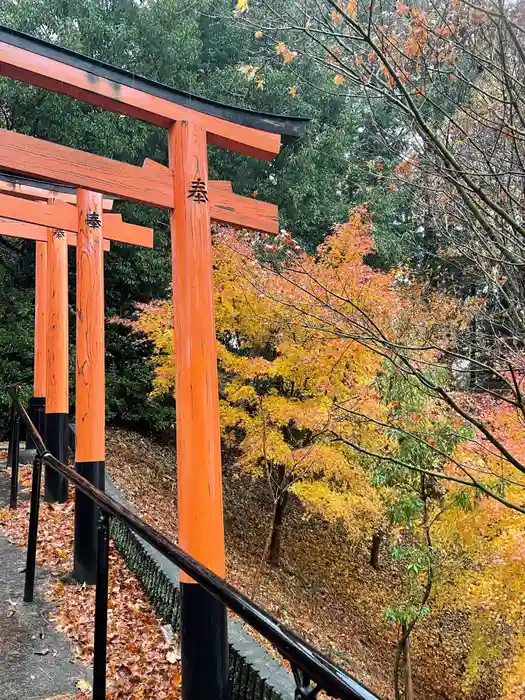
<point>35,190</point>
<point>51,365</point>
<point>37,403</point>
<point>184,190</point>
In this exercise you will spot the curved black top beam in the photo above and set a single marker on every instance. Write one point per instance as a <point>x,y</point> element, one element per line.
<point>289,128</point>
<point>42,184</point>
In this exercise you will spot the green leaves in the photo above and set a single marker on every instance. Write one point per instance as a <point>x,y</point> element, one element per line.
<point>405,509</point>
<point>403,615</point>
<point>463,499</point>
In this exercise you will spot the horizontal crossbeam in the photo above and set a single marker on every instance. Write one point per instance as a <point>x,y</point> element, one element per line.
<point>150,184</point>
<point>64,216</point>
<point>24,190</point>
<point>20,229</point>
<point>50,161</point>
<point>245,212</point>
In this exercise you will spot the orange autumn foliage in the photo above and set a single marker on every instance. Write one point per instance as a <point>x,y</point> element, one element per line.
<point>489,541</point>
<point>281,376</point>
<point>293,350</point>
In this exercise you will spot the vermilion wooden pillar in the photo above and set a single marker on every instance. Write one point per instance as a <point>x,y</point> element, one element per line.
<point>39,388</point>
<point>37,402</point>
<point>204,644</point>
<point>57,351</point>
<point>90,384</point>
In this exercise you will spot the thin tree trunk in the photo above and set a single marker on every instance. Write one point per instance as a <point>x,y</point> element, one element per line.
<point>409,690</point>
<point>272,544</point>
<point>262,560</point>
<point>374,553</point>
<point>274,554</point>
<point>397,664</point>
<point>403,654</point>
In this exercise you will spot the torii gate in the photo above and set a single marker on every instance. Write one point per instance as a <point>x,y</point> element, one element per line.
<point>42,327</point>
<point>184,190</point>
<point>51,367</point>
<point>35,190</point>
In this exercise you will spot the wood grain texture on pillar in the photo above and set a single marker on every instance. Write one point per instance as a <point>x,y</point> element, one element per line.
<point>90,384</point>
<point>57,341</point>
<point>201,529</point>
<point>39,385</point>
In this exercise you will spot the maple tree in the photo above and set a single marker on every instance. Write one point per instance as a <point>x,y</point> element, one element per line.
<point>417,342</point>
<point>281,379</point>
<point>458,453</point>
<point>461,447</point>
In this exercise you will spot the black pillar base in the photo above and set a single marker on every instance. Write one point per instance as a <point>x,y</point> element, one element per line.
<point>86,523</point>
<point>57,436</point>
<point>36,409</point>
<point>204,645</point>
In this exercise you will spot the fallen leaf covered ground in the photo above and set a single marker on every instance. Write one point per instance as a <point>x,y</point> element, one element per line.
<point>138,653</point>
<point>325,590</point>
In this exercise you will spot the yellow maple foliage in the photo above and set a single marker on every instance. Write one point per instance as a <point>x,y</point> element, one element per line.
<point>294,376</point>
<point>280,378</point>
<point>241,7</point>
<point>486,577</point>
<point>292,361</point>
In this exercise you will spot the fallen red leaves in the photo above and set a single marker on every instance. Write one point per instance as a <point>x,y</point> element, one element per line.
<point>138,666</point>
<point>307,594</point>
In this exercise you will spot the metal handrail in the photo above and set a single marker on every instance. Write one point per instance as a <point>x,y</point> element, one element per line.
<point>307,663</point>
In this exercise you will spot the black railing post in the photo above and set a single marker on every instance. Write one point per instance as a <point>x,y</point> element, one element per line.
<point>57,438</point>
<point>101,609</point>
<point>15,456</point>
<point>32,537</point>
<point>10,444</point>
<point>37,412</point>
<point>203,644</point>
